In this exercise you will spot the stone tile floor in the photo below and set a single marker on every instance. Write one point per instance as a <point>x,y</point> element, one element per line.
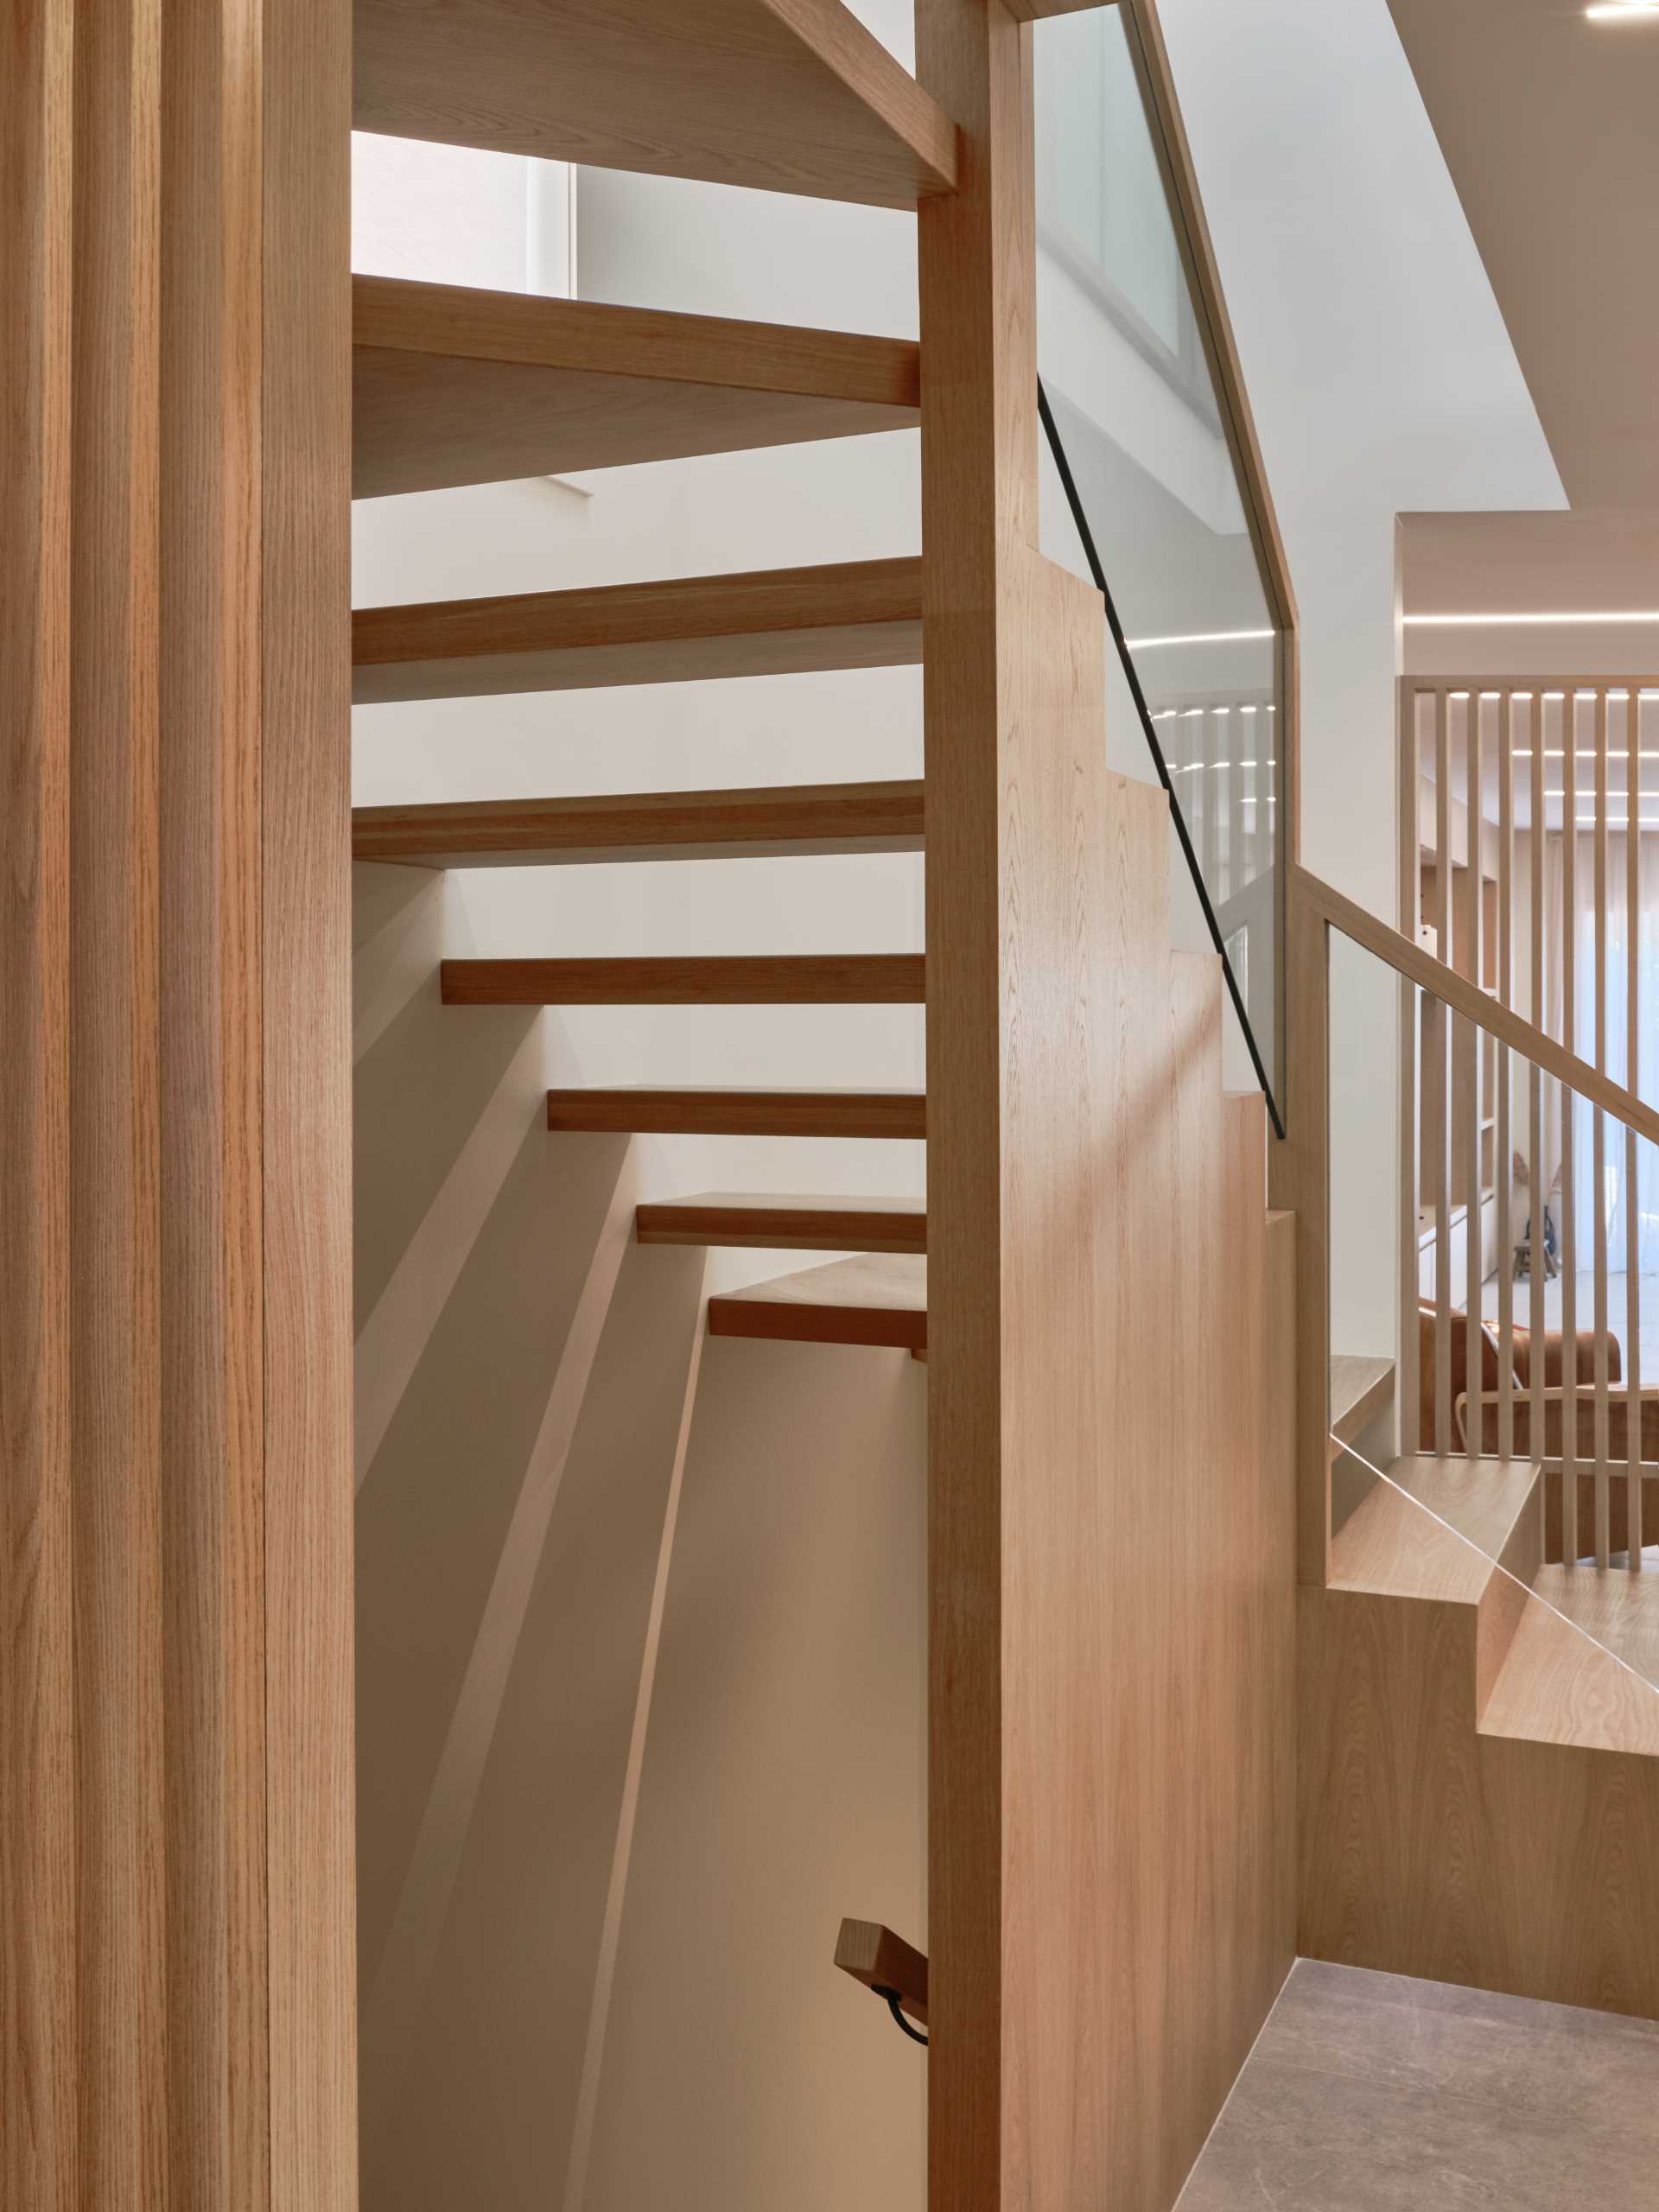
<point>1371,2093</point>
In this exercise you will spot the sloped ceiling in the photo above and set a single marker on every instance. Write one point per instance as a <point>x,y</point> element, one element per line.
<point>1549,124</point>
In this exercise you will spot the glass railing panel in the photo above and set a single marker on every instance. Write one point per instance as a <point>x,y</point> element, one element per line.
<point>1136,416</point>
<point>1496,1206</point>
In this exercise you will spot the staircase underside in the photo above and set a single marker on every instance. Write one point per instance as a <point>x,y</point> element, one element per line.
<point>784,95</point>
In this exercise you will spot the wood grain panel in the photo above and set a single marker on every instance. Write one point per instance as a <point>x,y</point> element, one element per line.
<point>112,1011</point>
<point>452,385</point>
<point>1106,1927</point>
<point>784,95</point>
<point>742,1113</point>
<point>878,1300</point>
<point>789,820</point>
<point>1431,1847</point>
<point>305,863</point>
<point>183,1872</point>
<point>38,2058</point>
<point>757,979</point>
<point>825,1224</point>
<point>770,622</point>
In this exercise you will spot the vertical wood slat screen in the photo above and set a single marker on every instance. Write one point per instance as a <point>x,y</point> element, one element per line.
<point>1501,904</point>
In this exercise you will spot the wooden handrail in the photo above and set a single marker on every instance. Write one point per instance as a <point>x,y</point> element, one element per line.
<point>1466,998</point>
<point>884,1962</point>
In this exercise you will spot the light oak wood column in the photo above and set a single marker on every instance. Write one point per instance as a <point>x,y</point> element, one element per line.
<point>176,1881</point>
<point>38,2169</point>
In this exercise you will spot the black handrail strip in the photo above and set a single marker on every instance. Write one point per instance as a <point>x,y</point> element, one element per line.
<point>1074,500</point>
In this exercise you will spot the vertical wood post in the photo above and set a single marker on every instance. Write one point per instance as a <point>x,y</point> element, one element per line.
<point>176,1904</point>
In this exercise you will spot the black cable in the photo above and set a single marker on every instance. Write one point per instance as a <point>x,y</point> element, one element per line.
<point>894,2007</point>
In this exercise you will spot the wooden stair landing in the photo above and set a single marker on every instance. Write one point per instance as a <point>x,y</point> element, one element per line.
<point>796,821</point>
<point>798,1224</point>
<point>879,1301</point>
<point>785,95</point>
<point>758,979</point>
<point>714,1112</point>
<point>764,622</point>
<point>455,386</point>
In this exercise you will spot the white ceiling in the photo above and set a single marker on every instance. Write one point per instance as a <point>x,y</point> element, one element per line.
<point>1549,125</point>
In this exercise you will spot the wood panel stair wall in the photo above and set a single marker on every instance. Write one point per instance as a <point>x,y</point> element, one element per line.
<point>764,622</point>
<point>452,386</point>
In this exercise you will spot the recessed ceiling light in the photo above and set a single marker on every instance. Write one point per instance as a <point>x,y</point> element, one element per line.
<point>1608,11</point>
<point>1514,622</point>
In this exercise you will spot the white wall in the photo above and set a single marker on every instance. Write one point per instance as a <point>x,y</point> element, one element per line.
<point>1382,379</point>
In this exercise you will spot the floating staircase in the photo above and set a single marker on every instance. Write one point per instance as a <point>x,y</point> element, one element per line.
<point>454,386</point>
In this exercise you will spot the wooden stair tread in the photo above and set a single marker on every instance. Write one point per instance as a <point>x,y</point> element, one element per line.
<point>784,95</point>
<point>796,821</point>
<point>690,979</point>
<point>716,1112</point>
<point>451,385</point>
<point>879,1299</point>
<point>1438,1534</point>
<point>789,1223</point>
<point>1558,1685</point>
<point>764,622</point>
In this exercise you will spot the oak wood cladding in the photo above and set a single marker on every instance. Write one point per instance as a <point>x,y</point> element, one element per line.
<point>753,979</point>
<point>175,1862</point>
<point>1111,1521</point>
<point>452,386</point>
<point>113,1013</point>
<point>875,1300</point>
<point>798,820</point>
<point>768,622</point>
<point>38,2058</point>
<point>802,1224</point>
<point>785,95</point>
<point>710,1112</point>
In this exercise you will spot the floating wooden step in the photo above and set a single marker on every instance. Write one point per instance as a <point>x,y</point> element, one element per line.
<point>766,622</point>
<point>758,979</point>
<point>1360,1389</point>
<point>455,386</point>
<point>1434,1529</point>
<point>795,821</point>
<point>879,1301</point>
<point>795,1225</point>
<point>635,1111</point>
<point>786,95</point>
<point>883,1962</point>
